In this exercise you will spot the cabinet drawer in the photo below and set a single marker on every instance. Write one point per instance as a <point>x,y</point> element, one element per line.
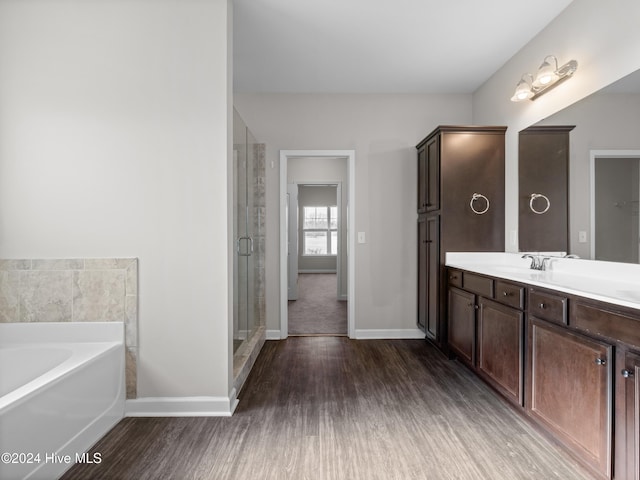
<point>548,306</point>
<point>510,294</point>
<point>455,278</point>
<point>618,326</point>
<point>477,284</point>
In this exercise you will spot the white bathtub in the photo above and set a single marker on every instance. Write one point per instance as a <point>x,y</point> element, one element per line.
<point>62,388</point>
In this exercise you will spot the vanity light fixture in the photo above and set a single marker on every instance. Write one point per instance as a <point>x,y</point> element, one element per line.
<point>549,76</point>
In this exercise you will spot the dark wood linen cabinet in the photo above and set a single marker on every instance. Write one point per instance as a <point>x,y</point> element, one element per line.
<point>461,190</point>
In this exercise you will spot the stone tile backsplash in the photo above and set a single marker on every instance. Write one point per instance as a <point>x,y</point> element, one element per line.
<point>74,290</point>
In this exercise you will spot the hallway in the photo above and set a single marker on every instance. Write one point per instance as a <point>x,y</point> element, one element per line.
<point>317,310</point>
<point>325,408</point>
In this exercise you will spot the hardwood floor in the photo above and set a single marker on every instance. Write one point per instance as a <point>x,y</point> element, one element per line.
<point>335,408</point>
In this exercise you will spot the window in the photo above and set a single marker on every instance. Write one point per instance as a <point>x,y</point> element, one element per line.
<point>320,230</point>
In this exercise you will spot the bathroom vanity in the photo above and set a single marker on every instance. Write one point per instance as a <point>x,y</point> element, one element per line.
<point>561,344</point>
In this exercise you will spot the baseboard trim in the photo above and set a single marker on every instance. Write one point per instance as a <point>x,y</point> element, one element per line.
<point>181,406</point>
<point>273,335</point>
<point>389,334</point>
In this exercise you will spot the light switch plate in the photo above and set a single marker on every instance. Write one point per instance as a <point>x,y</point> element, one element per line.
<point>361,237</point>
<point>582,236</point>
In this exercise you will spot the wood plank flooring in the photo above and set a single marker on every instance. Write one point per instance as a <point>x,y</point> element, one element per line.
<point>335,408</point>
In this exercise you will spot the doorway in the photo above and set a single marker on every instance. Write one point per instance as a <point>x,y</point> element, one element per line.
<point>340,239</point>
<point>316,248</point>
<point>615,206</point>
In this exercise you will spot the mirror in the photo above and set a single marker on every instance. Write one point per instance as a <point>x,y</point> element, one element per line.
<point>604,172</point>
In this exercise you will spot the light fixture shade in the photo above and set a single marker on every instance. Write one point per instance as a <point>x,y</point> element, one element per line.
<point>546,73</point>
<point>548,77</point>
<point>523,90</point>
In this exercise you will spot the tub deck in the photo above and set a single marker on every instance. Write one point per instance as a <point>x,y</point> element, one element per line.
<point>63,388</point>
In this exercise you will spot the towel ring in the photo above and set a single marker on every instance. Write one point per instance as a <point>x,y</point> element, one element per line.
<point>475,197</point>
<point>539,195</point>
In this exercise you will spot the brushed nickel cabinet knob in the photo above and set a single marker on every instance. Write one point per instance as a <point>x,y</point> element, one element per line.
<point>626,373</point>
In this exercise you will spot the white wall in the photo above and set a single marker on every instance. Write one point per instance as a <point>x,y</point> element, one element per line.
<point>605,40</point>
<point>383,130</point>
<point>114,120</point>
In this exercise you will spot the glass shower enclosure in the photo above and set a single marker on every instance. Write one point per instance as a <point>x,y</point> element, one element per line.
<point>248,234</point>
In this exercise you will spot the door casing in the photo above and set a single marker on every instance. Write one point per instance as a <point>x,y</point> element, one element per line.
<point>349,156</point>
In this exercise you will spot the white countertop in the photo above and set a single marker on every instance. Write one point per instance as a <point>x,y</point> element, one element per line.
<point>616,283</point>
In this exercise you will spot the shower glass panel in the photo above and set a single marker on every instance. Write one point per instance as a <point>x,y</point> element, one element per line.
<point>248,235</point>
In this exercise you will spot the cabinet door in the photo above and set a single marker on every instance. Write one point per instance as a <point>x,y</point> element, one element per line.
<point>569,390</point>
<point>429,176</point>
<point>500,348</point>
<point>462,324</point>
<point>433,278</point>
<point>433,174</point>
<point>422,179</point>
<point>423,273</point>
<point>627,462</point>
<point>429,276</point>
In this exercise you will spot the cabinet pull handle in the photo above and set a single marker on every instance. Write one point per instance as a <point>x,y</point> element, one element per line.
<point>542,306</point>
<point>475,197</point>
<point>505,294</point>
<point>427,241</point>
<point>453,277</point>
<point>626,373</point>
<point>601,361</point>
<point>539,195</point>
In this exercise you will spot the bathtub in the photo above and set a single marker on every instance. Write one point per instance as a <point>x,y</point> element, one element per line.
<point>62,388</point>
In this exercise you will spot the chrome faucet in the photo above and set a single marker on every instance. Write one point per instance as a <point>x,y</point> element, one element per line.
<point>538,262</point>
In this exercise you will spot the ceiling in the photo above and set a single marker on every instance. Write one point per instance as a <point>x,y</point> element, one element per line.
<point>379,46</point>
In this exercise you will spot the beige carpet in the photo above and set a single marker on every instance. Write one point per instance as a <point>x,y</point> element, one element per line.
<point>317,310</point>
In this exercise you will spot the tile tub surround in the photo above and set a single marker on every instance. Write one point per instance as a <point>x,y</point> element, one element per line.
<point>611,282</point>
<point>74,290</point>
